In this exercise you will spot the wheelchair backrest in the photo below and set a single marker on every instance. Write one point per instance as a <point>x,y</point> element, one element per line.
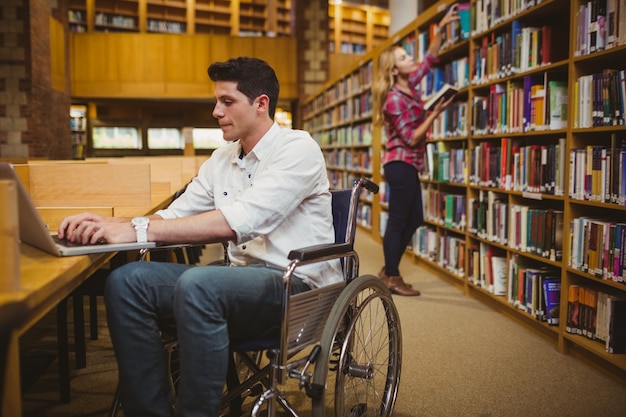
<point>341,211</point>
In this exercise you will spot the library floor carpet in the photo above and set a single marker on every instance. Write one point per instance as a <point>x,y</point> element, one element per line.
<point>460,358</point>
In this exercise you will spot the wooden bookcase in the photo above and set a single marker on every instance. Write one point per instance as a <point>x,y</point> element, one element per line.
<point>114,16</point>
<point>356,29</point>
<point>505,208</point>
<point>340,120</point>
<point>214,17</point>
<point>218,17</point>
<point>166,16</point>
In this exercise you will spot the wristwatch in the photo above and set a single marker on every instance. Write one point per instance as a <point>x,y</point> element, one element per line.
<point>140,224</point>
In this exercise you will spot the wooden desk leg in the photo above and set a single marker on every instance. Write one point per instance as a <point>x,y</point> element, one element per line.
<point>80,348</point>
<point>11,387</point>
<point>63,351</point>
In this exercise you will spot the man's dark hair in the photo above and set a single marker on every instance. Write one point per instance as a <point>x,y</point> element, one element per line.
<point>252,75</point>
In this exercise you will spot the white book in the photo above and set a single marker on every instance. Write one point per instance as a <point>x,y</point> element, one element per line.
<point>445,93</point>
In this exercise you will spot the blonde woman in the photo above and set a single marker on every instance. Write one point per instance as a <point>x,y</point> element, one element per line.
<point>406,122</point>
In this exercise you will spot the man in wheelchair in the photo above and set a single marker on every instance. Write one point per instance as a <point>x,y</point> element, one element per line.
<point>266,193</point>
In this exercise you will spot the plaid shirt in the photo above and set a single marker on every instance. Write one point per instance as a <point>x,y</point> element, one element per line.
<point>403,114</point>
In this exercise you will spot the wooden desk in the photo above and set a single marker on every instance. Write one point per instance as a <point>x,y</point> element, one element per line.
<point>45,281</point>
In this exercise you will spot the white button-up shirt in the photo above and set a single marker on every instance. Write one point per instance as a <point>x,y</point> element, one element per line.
<point>276,199</point>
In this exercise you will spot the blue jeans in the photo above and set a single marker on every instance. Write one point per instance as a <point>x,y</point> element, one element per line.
<point>210,307</point>
<point>405,211</point>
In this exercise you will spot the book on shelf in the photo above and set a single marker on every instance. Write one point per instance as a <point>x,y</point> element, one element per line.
<point>473,273</point>
<point>598,316</point>
<point>445,93</point>
<point>498,267</point>
<point>526,287</point>
<point>552,296</point>
<point>546,45</point>
<point>616,341</point>
<point>601,37</point>
<point>588,310</point>
<point>602,324</point>
<point>573,294</point>
<point>598,173</point>
<point>464,12</point>
<point>486,279</point>
<point>612,21</point>
<point>597,247</point>
<point>557,91</point>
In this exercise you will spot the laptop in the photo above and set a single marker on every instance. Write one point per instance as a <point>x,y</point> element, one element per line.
<point>34,232</point>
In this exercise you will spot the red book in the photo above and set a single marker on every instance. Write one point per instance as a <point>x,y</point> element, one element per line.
<point>505,163</point>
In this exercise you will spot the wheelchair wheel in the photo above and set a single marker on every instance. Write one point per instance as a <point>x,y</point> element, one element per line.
<point>358,369</point>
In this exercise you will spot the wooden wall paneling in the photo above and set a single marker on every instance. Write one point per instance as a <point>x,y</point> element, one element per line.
<point>141,61</point>
<point>57,55</point>
<point>187,58</point>
<point>281,53</point>
<point>139,65</point>
<point>94,65</point>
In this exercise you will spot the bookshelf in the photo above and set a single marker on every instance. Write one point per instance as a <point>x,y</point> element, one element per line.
<point>114,16</point>
<point>166,16</point>
<point>217,17</point>
<point>213,17</point>
<point>77,16</point>
<point>340,120</point>
<point>253,18</point>
<point>356,29</point>
<point>525,185</point>
<point>597,205</point>
<point>78,129</point>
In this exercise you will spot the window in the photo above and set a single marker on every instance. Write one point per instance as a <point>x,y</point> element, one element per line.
<point>165,138</point>
<point>116,138</point>
<point>207,138</point>
<point>283,117</point>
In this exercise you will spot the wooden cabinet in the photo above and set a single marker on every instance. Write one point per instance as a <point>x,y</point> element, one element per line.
<point>524,192</point>
<point>219,17</point>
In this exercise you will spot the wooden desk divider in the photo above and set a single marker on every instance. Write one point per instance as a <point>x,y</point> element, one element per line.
<point>9,237</point>
<point>168,174</point>
<point>92,185</point>
<point>59,190</point>
<point>105,186</point>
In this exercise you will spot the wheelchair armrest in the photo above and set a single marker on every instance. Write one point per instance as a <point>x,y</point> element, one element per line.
<point>320,251</point>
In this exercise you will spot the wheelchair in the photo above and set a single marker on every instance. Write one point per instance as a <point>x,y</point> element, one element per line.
<point>341,344</point>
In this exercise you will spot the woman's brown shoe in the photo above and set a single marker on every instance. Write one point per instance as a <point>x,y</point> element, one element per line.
<point>385,278</point>
<point>397,286</point>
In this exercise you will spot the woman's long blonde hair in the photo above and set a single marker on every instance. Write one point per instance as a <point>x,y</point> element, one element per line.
<point>383,82</point>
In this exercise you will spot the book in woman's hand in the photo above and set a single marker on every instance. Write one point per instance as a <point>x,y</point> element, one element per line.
<point>444,94</point>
